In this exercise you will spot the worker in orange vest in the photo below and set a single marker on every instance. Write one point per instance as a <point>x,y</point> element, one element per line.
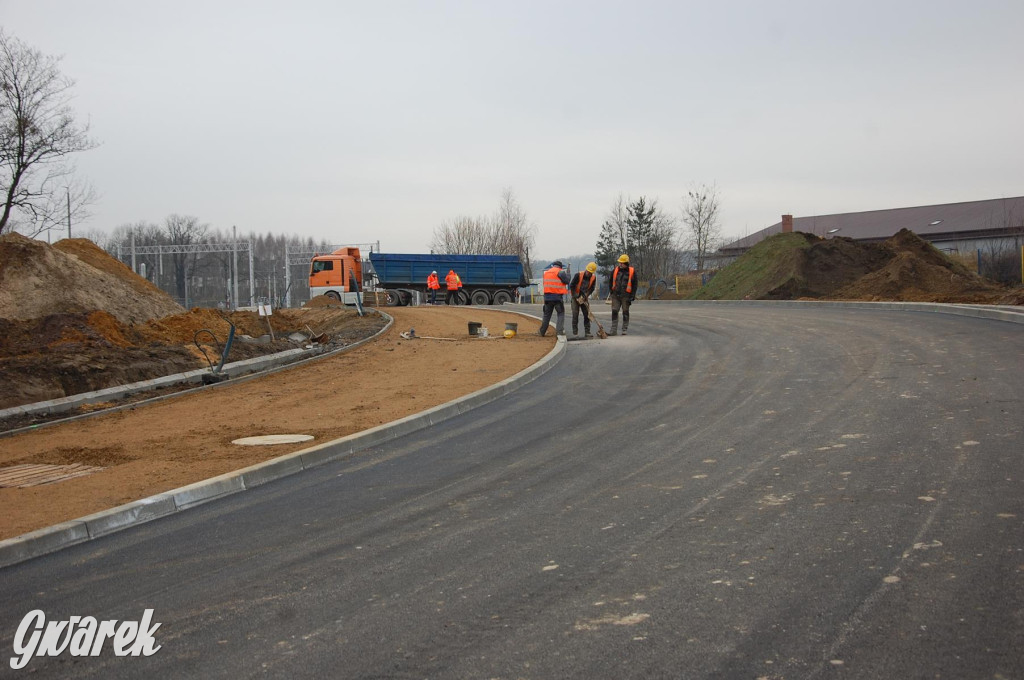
<point>556,285</point>
<point>453,283</point>
<point>622,283</point>
<point>582,287</point>
<point>433,285</point>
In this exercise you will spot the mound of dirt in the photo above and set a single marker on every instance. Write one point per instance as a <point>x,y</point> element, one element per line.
<point>75,276</point>
<point>73,319</point>
<point>904,268</point>
<point>69,353</point>
<point>915,271</point>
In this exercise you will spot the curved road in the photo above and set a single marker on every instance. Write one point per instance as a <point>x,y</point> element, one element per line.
<point>728,492</point>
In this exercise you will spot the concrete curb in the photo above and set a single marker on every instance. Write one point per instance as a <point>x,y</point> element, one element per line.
<point>1012,314</point>
<point>246,369</point>
<point>59,536</point>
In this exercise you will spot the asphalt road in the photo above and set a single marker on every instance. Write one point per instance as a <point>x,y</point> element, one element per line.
<point>727,492</point>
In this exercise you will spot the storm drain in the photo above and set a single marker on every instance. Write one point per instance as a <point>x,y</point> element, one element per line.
<point>21,476</point>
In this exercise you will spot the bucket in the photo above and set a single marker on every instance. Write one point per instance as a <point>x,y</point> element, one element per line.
<point>514,327</point>
<point>474,328</point>
<point>483,332</point>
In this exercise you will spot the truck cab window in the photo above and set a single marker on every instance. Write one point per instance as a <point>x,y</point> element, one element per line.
<point>323,266</point>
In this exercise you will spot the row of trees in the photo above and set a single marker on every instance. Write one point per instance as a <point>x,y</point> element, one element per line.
<point>507,232</point>
<point>660,244</point>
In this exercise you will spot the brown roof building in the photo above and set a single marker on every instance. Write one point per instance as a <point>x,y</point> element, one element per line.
<point>952,227</point>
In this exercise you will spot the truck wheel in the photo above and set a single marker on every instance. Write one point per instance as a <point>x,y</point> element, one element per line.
<point>502,297</point>
<point>391,298</point>
<point>333,295</point>
<point>463,297</point>
<point>405,296</point>
<point>480,297</point>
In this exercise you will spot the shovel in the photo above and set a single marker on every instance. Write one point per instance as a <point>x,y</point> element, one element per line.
<point>600,329</point>
<point>411,335</point>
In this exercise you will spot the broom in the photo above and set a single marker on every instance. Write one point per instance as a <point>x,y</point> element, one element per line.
<point>600,329</point>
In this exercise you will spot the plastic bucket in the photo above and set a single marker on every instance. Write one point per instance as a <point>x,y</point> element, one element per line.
<point>474,328</point>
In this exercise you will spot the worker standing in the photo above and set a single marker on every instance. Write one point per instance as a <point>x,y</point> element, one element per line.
<point>581,287</point>
<point>556,285</point>
<point>452,282</point>
<point>433,285</point>
<point>622,283</point>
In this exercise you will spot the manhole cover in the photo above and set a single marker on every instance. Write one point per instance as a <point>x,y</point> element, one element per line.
<point>22,476</point>
<point>267,439</point>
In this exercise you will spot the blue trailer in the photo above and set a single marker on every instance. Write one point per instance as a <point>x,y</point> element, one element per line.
<point>486,279</point>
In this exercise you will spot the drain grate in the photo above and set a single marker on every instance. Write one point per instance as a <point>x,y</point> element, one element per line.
<point>22,476</point>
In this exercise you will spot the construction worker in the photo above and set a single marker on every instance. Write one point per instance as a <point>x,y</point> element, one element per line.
<point>556,285</point>
<point>453,283</point>
<point>622,283</point>
<point>433,285</point>
<point>582,287</point>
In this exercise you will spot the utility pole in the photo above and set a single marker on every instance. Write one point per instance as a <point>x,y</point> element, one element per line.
<point>234,268</point>
<point>68,189</point>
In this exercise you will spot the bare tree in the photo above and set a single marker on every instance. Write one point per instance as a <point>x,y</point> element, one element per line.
<point>701,215</point>
<point>461,236</point>
<point>37,135</point>
<point>183,230</point>
<point>512,233</point>
<point>508,232</point>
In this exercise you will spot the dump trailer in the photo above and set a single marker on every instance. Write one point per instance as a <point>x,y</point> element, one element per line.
<point>486,279</point>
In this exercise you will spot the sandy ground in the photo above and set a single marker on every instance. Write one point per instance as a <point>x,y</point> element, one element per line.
<point>162,446</point>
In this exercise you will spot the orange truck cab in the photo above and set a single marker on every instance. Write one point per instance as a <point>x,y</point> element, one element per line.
<point>338,275</point>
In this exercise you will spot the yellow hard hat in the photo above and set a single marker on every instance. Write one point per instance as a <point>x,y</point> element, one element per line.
<point>592,267</point>
<point>624,258</point>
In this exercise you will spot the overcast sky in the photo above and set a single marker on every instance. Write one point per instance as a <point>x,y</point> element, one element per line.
<point>365,121</point>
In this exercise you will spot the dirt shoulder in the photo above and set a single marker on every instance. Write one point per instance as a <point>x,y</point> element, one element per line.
<point>162,446</point>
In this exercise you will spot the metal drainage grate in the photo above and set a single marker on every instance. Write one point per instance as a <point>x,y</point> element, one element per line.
<point>22,476</point>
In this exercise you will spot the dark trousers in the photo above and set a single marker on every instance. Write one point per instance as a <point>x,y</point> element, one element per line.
<point>433,296</point>
<point>453,294</point>
<point>576,307</point>
<point>549,307</point>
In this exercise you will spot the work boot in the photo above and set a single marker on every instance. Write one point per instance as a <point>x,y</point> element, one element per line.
<point>575,331</point>
<point>624,328</point>
<point>589,335</point>
<point>614,330</point>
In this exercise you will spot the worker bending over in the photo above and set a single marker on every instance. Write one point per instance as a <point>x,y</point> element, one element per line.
<point>582,287</point>
<point>622,282</point>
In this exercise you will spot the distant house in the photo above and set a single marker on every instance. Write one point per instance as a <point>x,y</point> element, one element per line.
<point>950,227</point>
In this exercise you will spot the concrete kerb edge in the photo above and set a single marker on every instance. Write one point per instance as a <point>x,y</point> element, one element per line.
<point>273,362</point>
<point>973,311</point>
<point>54,538</point>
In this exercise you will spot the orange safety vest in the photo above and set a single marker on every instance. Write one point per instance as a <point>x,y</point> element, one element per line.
<point>629,281</point>
<point>552,284</point>
<point>452,281</point>
<point>579,283</point>
<point>432,282</point>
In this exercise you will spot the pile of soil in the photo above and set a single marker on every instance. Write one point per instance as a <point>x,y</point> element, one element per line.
<point>903,268</point>
<point>73,319</point>
<point>73,276</point>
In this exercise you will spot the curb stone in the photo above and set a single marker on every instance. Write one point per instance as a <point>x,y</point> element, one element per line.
<point>1007,313</point>
<point>251,368</point>
<point>63,535</point>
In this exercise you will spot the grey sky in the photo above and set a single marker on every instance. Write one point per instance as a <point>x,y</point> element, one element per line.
<point>365,121</point>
